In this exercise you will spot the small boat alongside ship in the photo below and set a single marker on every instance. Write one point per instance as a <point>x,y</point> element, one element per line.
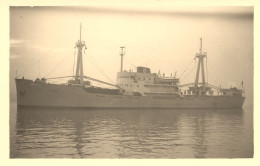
<point>133,89</point>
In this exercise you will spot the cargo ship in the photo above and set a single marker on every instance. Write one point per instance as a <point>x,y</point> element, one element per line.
<point>133,89</point>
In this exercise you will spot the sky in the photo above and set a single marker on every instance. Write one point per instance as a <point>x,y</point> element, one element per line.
<point>165,39</point>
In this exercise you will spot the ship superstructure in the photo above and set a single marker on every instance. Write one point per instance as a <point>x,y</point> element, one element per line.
<point>133,89</point>
<point>144,83</point>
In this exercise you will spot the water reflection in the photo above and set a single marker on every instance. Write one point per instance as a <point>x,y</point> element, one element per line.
<point>115,133</point>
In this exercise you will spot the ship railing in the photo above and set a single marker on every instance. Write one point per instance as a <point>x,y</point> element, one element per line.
<point>207,85</point>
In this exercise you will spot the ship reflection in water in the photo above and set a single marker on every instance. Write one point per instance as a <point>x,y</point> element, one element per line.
<point>108,133</point>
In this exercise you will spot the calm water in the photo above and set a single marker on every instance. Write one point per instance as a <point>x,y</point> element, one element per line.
<point>108,133</point>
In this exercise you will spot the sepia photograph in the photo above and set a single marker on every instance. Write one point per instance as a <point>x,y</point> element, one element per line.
<point>131,82</point>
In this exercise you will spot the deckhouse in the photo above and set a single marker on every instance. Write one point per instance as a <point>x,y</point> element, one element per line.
<point>144,83</point>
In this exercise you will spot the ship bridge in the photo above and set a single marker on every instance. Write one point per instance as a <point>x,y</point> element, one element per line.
<point>141,69</point>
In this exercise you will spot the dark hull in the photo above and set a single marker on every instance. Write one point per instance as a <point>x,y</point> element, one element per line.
<point>52,95</point>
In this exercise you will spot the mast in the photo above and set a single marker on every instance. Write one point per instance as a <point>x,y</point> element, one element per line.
<point>79,69</point>
<point>201,57</point>
<point>122,53</point>
<point>80,32</point>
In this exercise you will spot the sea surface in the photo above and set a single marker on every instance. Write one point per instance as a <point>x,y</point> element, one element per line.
<point>130,133</point>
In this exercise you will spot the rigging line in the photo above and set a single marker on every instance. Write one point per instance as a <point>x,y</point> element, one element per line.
<point>188,73</point>
<point>215,74</point>
<point>184,79</point>
<point>56,66</point>
<point>45,54</point>
<point>93,61</point>
<point>74,61</point>
<point>112,52</point>
<point>213,77</point>
<point>207,69</point>
<point>94,65</point>
<point>99,68</point>
<point>187,68</point>
<point>83,29</point>
<point>39,69</point>
<point>130,63</point>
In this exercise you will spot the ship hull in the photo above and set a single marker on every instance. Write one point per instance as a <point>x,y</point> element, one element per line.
<point>52,95</point>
